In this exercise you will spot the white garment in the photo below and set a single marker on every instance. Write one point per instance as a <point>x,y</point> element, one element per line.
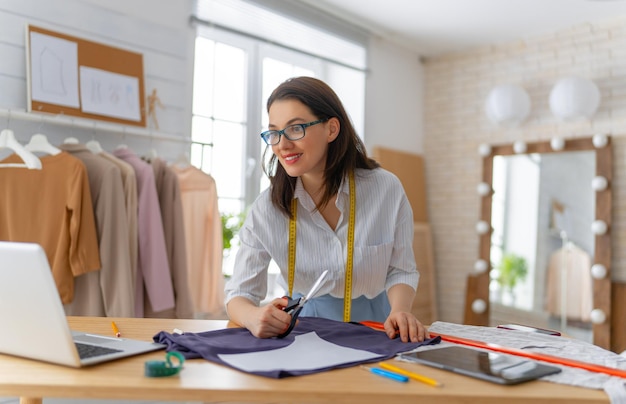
<point>383,250</point>
<point>579,285</point>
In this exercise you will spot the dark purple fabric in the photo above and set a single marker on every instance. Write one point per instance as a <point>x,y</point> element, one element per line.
<point>210,344</point>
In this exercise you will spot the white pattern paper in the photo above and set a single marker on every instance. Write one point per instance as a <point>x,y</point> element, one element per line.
<point>307,352</point>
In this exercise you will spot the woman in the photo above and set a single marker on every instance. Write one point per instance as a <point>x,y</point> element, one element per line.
<point>317,160</point>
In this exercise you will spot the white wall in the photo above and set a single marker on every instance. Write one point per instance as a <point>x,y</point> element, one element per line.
<point>393,98</point>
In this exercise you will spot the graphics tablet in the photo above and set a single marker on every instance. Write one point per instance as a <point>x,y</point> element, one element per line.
<point>494,367</point>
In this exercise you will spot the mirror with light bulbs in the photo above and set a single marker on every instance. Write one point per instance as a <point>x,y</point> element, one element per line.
<point>545,212</point>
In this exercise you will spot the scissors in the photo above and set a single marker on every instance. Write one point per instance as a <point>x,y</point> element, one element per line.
<point>294,306</point>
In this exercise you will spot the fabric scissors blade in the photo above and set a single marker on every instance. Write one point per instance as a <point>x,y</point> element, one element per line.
<point>294,306</point>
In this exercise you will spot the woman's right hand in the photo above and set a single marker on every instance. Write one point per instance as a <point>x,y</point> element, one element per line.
<point>269,320</point>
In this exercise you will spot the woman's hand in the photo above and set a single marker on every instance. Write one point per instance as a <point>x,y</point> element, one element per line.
<point>405,325</point>
<point>267,321</point>
<point>401,321</point>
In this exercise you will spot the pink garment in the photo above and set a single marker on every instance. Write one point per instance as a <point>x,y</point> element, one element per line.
<point>171,205</point>
<point>153,272</point>
<point>203,235</point>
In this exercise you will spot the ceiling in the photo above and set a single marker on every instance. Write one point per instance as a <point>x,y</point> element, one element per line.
<point>433,27</point>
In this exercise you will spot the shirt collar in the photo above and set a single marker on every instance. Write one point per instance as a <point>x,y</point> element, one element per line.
<point>307,202</point>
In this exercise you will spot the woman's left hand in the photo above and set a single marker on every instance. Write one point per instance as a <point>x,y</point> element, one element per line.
<point>406,326</point>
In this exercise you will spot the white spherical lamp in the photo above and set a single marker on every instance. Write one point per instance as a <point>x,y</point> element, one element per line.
<point>483,189</point>
<point>481,266</point>
<point>599,183</point>
<point>479,306</point>
<point>598,271</point>
<point>574,98</point>
<point>484,150</point>
<point>507,104</point>
<point>482,227</point>
<point>557,143</point>
<point>599,227</point>
<point>598,316</point>
<point>599,140</point>
<point>519,147</point>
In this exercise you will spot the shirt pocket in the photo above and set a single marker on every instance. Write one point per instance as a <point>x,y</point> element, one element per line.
<point>370,268</point>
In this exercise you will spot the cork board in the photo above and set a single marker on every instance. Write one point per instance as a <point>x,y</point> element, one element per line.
<point>72,76</point>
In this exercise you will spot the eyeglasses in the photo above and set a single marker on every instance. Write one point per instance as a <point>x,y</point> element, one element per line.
<point>291,132</point>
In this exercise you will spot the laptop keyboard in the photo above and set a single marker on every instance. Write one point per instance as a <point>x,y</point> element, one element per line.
<point>89,351</point>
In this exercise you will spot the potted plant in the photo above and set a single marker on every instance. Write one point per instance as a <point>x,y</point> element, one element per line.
<point>512,269</point>
<point>231,223</point>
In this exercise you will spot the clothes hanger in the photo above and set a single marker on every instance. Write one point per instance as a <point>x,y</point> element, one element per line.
<point>7,140</point>
<point>182,161</point>
<point>151,155</point>
<point>94,146</point>
<point>39,143</point>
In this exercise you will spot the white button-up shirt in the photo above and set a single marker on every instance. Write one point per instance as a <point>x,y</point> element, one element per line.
<point>383,242</point>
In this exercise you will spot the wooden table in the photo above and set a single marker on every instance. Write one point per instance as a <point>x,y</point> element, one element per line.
<point>201,380</point>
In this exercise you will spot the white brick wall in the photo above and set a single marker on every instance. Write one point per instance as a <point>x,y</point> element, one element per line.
<point>456,87</point>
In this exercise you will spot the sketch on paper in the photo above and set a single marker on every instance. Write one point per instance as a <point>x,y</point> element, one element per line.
<point>110,94</point>
<point>54,70</point>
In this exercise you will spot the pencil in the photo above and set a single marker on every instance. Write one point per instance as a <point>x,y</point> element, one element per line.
<point>116,330</point>
<point>412,375</point>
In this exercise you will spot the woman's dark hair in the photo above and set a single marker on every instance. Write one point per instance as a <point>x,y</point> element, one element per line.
<point>345,153</point>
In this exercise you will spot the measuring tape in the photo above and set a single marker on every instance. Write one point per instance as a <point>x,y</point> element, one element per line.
<point>347,294</point>
<point>292,243</point>
<point>164,368</point>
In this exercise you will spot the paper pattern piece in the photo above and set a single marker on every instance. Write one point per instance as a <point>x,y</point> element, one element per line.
<point>307,352</point>
<point>54,70</point>
<point>109,94</point>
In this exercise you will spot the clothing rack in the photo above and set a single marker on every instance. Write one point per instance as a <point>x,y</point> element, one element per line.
<point>63,120</point>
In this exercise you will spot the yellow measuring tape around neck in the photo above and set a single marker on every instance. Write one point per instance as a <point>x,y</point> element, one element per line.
<point>347,299</point>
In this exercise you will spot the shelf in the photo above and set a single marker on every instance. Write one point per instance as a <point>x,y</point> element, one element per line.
<point>22,115</point>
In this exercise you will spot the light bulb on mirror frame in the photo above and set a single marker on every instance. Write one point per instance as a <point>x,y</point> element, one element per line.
<point>599,140</point>
<point>597,316</point>
<point>482,227</point>
<point>484,149</point>
<point>519,147</point>
<point>598,271</point>
<point>599,227</point>
<point>479,306</point>
<point>481,266</point>
<point>557,143</point>
<point>483,189</point>
<point>599,183</point>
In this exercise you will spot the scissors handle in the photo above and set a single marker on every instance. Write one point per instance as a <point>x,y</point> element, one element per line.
<point>294,309</point>
<point>291,304</point>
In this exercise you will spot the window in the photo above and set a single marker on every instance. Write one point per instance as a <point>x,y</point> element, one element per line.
<point>234,74</point>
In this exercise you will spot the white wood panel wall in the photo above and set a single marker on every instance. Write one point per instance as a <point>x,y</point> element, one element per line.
<point>158,30</point>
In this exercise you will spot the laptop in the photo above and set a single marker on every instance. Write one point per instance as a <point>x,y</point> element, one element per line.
<point>33,319</point>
